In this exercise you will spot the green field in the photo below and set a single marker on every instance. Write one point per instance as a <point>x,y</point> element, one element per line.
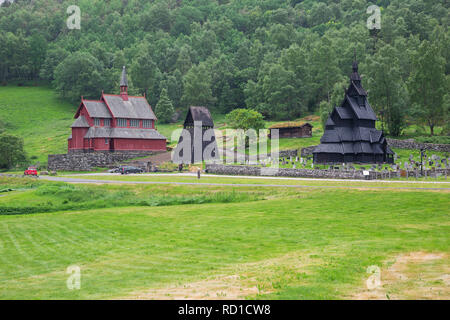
<point>219,241</point>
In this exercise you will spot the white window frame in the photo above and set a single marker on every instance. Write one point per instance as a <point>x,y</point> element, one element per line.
<point>107,122</point>
<point>147,124</point>
<point>134,123</point>
<point>97,122</point>
<point>121,122</point>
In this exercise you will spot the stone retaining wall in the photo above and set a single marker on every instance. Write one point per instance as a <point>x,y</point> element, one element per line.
<point>308,173</point>
<point>288,153</point>
<point>303,173</point>
<point>308,151</point>
<point>88,161</point>
<point>412,144</point>
<point>399,144</point>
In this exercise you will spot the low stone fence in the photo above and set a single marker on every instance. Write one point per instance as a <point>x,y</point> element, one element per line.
<point>399,144</point>
<point>312,173</point>
<point>283,172</point>
<point>308,151</point>
<point>88,161</point>
<point>412,144</point>
<point>288,153</point>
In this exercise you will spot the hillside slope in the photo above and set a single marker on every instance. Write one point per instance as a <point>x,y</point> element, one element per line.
<point>38,116</point>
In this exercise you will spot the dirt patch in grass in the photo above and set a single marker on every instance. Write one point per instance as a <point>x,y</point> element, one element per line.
<point>226,287</point>
<point>416,275</point>
<point>237,282</point>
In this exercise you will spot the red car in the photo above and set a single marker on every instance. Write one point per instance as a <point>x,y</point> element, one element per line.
<point>31,172</point>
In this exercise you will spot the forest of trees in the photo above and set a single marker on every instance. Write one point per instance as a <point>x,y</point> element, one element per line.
<point>283,58</point>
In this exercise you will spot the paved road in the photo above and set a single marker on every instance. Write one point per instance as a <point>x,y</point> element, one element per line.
<point>78,180</point>
<point>252,177</point>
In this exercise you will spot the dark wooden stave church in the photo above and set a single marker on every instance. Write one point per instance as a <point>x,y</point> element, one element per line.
<point>350,135</point>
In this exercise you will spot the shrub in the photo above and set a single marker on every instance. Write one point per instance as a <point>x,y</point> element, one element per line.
<point>11,151</point>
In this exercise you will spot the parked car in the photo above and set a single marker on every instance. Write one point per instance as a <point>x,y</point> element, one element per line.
<point>129,169</point>
<point>117,170</point>
<point>31,171</point>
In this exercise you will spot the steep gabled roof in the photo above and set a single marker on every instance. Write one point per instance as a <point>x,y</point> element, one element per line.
<point>134,108</point>
<point>344,113</point>
<point>330,122</point>
<point>81,122</point>
<point>97,109</point>
<point>124,133</point>
<point>360,90</point>
<point>329,148</point>
<point>362,113</point>
<point>199,114</point>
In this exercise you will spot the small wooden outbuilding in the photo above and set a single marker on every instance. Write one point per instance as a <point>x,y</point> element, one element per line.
<point>292,130</point>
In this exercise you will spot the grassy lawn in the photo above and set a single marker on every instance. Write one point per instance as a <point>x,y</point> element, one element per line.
<point>273,243</point>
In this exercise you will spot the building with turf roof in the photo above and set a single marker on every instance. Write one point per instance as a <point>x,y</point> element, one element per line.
<point>292,130</point>
<point>115,123</point>
<point>350,134</point>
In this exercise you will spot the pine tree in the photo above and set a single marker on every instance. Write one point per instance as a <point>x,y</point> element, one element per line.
<point>164,108</point>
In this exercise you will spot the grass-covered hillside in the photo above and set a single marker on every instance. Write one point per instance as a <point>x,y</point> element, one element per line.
<point>38,116</point>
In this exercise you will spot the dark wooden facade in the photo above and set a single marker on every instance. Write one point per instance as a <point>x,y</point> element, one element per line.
<point>199,128</point>
<point>350,135</point>
<point>292,130</point>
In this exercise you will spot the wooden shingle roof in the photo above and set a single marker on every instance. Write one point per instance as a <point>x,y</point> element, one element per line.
<point>134,108</point>
<point>199,114</point>
<point>81,122</point>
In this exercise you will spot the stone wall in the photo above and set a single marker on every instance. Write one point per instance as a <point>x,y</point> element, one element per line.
<point>288,153</point>
<point>88,161</point>
<point>309,173</point>
<point>308,151</point>
<point>399,144</point>
<point>301,173</point>
<point>412,144</point>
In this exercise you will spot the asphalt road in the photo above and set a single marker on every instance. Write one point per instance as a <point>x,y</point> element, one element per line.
<point>94,181</point>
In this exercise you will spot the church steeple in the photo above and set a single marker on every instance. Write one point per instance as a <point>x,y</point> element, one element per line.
<point>355,77</point>
<point>124,84</point>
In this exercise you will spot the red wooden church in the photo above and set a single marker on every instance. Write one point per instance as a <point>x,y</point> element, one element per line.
<point>116,123</point>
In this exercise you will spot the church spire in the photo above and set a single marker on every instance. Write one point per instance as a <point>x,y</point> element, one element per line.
<point>124,84</point>
<point>355,62</point>
<point>354,77</point>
